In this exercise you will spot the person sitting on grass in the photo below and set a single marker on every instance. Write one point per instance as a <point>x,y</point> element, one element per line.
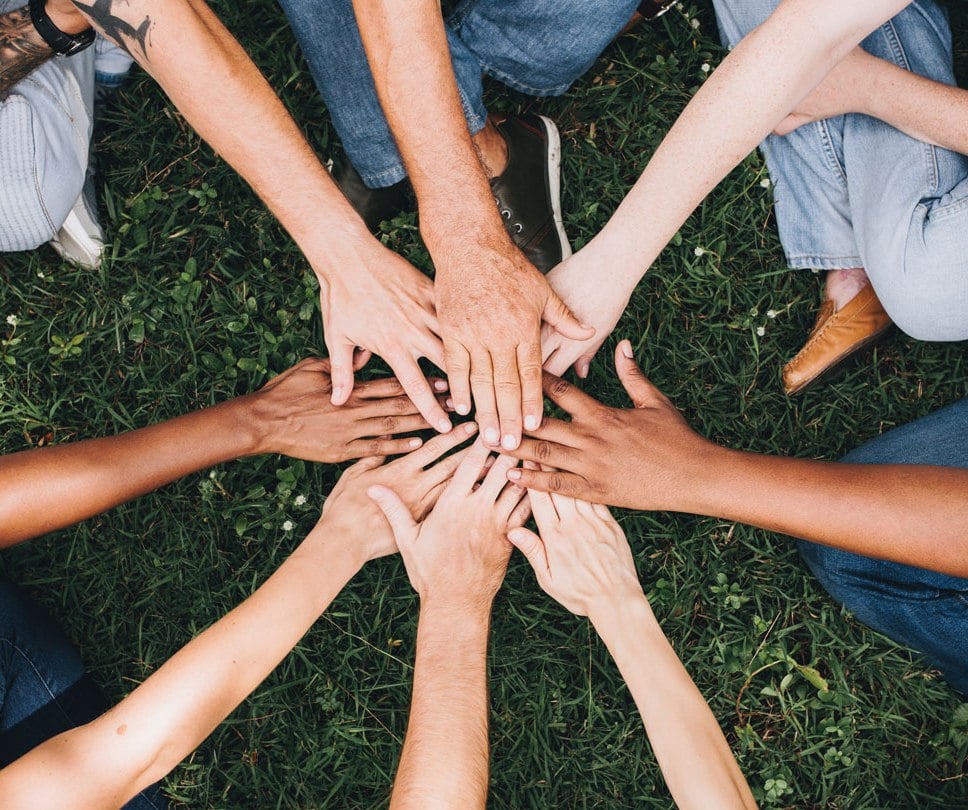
<point>884,532</point>
<point>884,192</point>
<point>58,747</point>
<point>456,559</point>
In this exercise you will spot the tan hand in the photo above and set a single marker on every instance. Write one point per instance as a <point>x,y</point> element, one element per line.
<point>458,555</point>
<point>642,458</point>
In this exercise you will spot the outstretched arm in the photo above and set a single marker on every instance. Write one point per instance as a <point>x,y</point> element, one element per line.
<point>48,488</point>
<point>107,761</point>
<point>456,561</point>
<point>647,457</point>
<point>583,560</point>
<point>758,84</point>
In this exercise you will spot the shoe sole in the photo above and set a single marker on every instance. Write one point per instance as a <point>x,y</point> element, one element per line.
<point>841,362</point>
<point>554,182</point>
<point>75,245</point>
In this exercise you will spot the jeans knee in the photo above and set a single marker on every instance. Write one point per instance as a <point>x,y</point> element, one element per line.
<point>930,315</point>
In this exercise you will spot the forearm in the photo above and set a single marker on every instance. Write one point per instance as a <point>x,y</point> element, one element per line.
<point>22,50</point>
<point>142,738</point>
<point>692,752</point>
<point>444,762</point>
<point>222,94</point>
<point>756,86</point>
<point>924,109</point>
<point>48,488</point>
<point>909,514</point>
<point>406,45</point>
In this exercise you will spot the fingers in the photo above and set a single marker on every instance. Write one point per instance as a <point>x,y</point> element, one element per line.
<point>396,512</point>
<point>361,357</point>
<point>470,468</point>
<point>507,389</point>
<point>530,545</point>
<point>557,314</point>
<point>497,477</point>
<point>543,509</point>
<point>381,388</point>
<point>443,470</point>
<point>583,365</point>
<point>482,388</point>
<point>457,364</point>
<point>532,399</point>
<point>389,425</point>
<point>341,360</point>
<point>371,462</point>
<point>362,448</point>
<point>419,390</point>
<point>640,390</point>
<point>561,483</point>
<point>547,452</point>
<point>437,446</point>
<point>566,396</point>
<point>521,512</point>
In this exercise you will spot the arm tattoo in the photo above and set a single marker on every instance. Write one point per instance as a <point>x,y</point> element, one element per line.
<point>21,49</point>
<point>121,31</point>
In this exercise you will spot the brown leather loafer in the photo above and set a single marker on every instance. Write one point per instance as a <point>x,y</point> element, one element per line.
<point>835,337</point>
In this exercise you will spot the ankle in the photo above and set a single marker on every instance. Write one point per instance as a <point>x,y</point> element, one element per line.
<point>491,148</point>
<point>843,285</point>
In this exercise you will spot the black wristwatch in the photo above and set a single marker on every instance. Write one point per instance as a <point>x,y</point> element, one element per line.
<point>64,44</point>
<point>651,9</point>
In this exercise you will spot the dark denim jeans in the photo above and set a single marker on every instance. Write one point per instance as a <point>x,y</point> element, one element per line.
<point>43,687</point>
<point>926,611</point>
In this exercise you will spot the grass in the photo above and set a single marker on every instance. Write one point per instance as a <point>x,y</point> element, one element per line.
<point>204,296</point>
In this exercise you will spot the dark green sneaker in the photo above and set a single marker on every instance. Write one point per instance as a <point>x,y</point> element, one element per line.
<point>374,205</point>
<point>528,192</point>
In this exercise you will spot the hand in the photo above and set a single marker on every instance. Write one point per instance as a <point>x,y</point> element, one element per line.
<point>458,555</point>
<point>581,558</point>
<point>297,418</point>
<point>644,458</point>
<point>579,284</point>
<point>840,92</point>
<point>385,306</point>
<point>491,311</point>
<point>350,513</point>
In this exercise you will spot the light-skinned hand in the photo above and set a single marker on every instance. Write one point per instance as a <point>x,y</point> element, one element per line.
<point>457,556</point>
<point>491,310</point>
<point>580,556</point>
<point>645,457</point>
<point>350,512</point>
<point>295,416</point>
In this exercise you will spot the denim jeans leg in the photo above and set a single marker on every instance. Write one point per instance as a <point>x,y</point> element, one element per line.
<point>45,135</point>
<point>44,689</point>
<point>921,609</point>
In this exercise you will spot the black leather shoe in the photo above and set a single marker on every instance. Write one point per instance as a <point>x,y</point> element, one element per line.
<point>374,205</point>
<point>528,192</point>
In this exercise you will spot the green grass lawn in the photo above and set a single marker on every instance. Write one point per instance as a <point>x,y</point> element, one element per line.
<point>203,296</point>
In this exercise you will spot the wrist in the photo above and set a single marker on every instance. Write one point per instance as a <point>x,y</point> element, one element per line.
<point>70,22</point>
<point>457,610</point>
<point>619,618</point>
<point>249,419</point>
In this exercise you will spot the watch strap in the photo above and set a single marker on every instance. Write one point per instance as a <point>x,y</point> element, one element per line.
<point>64,44</point>
<point>650,9</point>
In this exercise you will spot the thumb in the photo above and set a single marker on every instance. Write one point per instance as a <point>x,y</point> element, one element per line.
<point>557,314</point>
<point>532,547</point>
<point>640,390</point>
<point>396,512</point>
<point>341,375</point>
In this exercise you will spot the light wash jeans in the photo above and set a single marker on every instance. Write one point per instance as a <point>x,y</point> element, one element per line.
<point>924,610</point>
<point>538,47</point>
<point>43,687</point>
<point>852,191</point>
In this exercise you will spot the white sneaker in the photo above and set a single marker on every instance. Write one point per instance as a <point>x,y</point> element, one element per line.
<point>80,239</point>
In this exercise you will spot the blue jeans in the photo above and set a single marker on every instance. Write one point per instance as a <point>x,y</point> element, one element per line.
<point>43,687</point>
<point>852,191</point>
<point>924,610</point>
<point>538,47</point>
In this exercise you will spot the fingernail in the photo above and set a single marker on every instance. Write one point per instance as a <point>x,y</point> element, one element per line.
<point>416,442</point>
<point>583,370</point>
<point>626,348</point>
<point>515,474</point>
<point>450,404</point>
<point>470,427</point>
<point>463,408</point>
<point>509,442</point>
<point>444,426</point>
<point>440,385</point>
<point>491,436</point>
<point>531,422</point>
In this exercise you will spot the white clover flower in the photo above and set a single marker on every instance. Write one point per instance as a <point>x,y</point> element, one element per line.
<point>40,274</point>
<point>761,330</point>
<point>705,67</point>
<point>765,182</point>
<point>700,252</point>
<point>288,526</point>
<point>771,313</point>
<point>694,23</point>
<point>13,320</point>
<point>300,500</point>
